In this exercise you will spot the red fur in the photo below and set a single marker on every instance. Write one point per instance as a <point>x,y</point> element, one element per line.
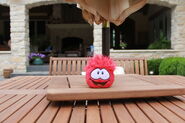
<point>101,62</point>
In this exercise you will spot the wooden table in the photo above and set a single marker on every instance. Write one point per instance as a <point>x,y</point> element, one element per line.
<point>22,99</point>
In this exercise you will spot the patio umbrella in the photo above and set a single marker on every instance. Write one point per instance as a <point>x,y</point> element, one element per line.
<point>115,11</point>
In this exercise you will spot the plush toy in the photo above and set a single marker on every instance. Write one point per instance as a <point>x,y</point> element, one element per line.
<point>99,72</point>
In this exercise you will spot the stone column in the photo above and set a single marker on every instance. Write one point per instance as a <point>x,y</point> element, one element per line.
<point>19,17</point>
<point>178,27</point>
<point>97,33</point>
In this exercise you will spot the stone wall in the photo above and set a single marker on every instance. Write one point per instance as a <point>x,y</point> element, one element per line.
<point>97,33</point>
<point>17,58</point>
<point>149,54</point>
<point>19,17</point>
<point>5,61</point>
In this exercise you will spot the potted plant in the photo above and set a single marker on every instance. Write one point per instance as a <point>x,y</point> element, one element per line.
<point>123,45</point>
<point>37,58</point>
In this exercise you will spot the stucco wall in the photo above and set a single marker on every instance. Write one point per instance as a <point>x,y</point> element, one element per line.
<point>17,58</point>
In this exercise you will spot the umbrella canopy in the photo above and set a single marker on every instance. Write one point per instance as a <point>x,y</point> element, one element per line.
<point>115,11</point>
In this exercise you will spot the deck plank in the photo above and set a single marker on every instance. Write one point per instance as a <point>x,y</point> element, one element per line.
<point>107,113</point>
<point>78,113</point>
<point>27,83</point>
<point>150,112</point>
<point>93,112</point>
<point>5,98</point>
<point>19,114</point>
<point>136,112</point>
<point>170,116</point>
<point>10,102</point>
<point>175,109</point>
<point>13,108</point>
<point>121,112</point>
<point>179,101</point>
<point>12,82</point>
<point>64,113</point>
<point>49,113</point>
<point>34,84</point>
<point>41,84</point>
<point>34,114</point>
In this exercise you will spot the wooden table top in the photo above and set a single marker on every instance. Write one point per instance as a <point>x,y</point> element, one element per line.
<point>124,87</point>
<point>23,99</point>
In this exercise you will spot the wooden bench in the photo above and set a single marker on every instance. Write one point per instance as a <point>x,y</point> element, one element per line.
<point>74,66</point>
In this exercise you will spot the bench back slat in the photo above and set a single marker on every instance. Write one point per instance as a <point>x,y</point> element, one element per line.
<point>74,66</point>
<point>136,66</point>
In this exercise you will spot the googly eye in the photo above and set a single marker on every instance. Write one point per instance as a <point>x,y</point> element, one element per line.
<point>95,74</point>
<point>104,74</point>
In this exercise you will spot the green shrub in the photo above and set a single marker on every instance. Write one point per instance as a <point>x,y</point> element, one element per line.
<point>162,43</point>
<point>153,65</point>
<point>172,66</point>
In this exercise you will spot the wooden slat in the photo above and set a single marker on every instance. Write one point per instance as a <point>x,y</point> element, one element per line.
<point>178,101</point>
<point>49,114</point>
<point>8,82</point>
<point>50,66</point>
<point>64,67</point>
<point>45,81</point>
<point>150,112</point>
<point>14,82</point>
<point>73,71</point>
<point>136,113</point>
<point>122,113</point>
<point>69,67</point>
<point>64,113</point>
<point>78,113</point>
<point>11,101</point>
<point>136,66</point>
<point>131,67</point>
<point>34,114</point>
<point>78,67</point>
<point>83,64</point>
<point>178,111</point>
<point>25,91</point>
<point>141,64</point>
<point>93,112</point>
<point>107,112</point>
<point>59,72</point>
<point>2,95</point>
<point>54,68</point>
<point>126,67</point>
<point>77,82</point>
<point>27,83</point>
<point>170,116</point>
<point>5,98</point>
<point>13,108</point>
<point>56,82</point>
<point>146,67</point>
<point>19,114</point>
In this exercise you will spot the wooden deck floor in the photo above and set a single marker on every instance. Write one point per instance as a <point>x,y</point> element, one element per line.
<point>22,99</point>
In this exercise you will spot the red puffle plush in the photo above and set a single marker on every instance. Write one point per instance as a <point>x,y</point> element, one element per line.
<point>99,72</point>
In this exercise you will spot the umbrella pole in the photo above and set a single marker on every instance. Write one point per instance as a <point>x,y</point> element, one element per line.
<point>106,39</point>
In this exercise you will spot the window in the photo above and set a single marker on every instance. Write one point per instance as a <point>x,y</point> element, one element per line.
<point>4,29</point>
<point>143,28</point>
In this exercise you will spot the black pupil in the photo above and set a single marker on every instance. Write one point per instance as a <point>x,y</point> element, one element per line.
<point>102,72</point>
<point>98,72</point>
